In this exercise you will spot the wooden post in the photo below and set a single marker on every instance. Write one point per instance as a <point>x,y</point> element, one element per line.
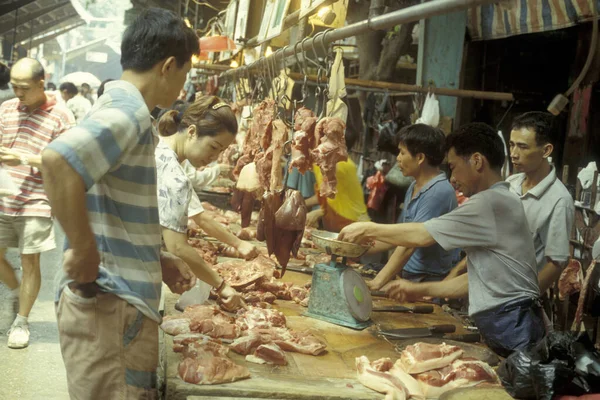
<point>578,186</point>
<point>565,175</point>
<point>594,191</point>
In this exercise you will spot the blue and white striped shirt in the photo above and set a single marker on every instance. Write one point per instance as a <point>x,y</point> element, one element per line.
<point>112,149</point>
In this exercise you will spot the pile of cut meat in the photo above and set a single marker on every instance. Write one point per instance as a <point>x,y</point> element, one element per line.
<point>257,281</point>
<point>257,333</point>
<point>424,371</point>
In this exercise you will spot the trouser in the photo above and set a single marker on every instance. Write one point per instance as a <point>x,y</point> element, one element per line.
<point>110,349</point>
<point>511,326</point>
<point>410,276</point>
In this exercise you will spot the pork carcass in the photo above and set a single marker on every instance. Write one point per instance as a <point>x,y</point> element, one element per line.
<point>375,376</point>
<point>215,329</point>
<point>461,373</point>
<point>279,137</point>
<point>245,345</point>
<point>421,357</point>
<point>175,325</point>
<point>268,354</point>
<point>259,318</point>
<point>248,233</point>
<point>240,164</point>
<point>282,223</point>
<point>304,140</point>
<point>230,155</point>
<point>211,370</point>
<point>264,166</point>
<point>570,279</point>
<point>256,296</point>
<point>196,348</point>
<point>582,297</point>
<point>300,342</point>
<point>331,150</point>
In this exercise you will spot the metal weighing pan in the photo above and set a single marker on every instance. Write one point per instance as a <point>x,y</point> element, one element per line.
<point>328,242</point>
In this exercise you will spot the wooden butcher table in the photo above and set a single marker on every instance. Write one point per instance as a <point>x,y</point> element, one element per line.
<point>329,376</point>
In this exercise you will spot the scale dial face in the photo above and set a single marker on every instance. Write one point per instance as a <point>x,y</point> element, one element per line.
<point>357,295</point>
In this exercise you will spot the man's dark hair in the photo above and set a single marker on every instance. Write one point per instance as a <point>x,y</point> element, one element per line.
<point>85,85</point>
<point>50,86</point>
<point>157,34</point>
<point>421,138</point>
<point>4,75</point>
<point>69,87</point>
<point>542,123</point>
<point>101,88</point>
<point>477,137</point>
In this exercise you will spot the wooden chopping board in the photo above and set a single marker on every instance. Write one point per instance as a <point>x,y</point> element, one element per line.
<point>470,349</point>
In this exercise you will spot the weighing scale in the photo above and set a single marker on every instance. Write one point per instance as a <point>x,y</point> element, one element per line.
<point>338,294</point>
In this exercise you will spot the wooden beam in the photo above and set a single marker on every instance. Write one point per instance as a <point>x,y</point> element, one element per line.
<point>43,28</point>
<point>212,67</point>
<point>402,87</point>
<point>6,8</point>
<point>44,39</point>
<point>24,18</point>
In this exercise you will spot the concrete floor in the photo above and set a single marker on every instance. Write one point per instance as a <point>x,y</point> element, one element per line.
<point>36,372</point>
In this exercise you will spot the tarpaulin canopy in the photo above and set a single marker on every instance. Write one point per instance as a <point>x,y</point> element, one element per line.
<point>517,17</point>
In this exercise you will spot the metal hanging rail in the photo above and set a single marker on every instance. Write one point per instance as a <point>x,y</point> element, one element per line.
<point>406,15</point>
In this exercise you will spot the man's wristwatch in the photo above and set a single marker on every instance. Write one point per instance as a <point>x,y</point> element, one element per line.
<point>24,160</point>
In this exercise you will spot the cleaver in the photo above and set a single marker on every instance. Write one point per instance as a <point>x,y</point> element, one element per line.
<point>408,333</point>
<point>427,309</point>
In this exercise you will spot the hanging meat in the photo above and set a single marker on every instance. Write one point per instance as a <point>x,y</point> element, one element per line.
<point>330,151</point>
<point>283,220</point>
<point>304,140</point>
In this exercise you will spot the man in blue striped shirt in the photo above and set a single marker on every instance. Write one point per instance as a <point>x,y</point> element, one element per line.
<point>101,181</point>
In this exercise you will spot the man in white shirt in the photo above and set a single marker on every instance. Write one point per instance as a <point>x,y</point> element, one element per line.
<point>78,104</point>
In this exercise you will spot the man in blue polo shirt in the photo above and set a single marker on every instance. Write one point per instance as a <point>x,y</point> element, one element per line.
<point>429,196</point>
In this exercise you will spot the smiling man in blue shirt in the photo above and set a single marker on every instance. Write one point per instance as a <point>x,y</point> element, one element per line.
<point>429,196</point>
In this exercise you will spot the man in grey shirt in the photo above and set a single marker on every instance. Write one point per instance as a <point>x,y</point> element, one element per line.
<point>548,204</point>
<point>492,229</point>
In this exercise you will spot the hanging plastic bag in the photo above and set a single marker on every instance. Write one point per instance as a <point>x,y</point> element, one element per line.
<point>430,115</point>
<point>377,189</point>
<point>7,185</point>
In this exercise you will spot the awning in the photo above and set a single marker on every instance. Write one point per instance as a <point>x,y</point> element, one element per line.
<point>517,17</point>
<point>36,20</point>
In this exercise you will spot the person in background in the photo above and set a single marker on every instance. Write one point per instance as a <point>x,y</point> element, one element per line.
<point>78,104</point>
<point>348,205</point>
<point>101,88</point>
<point>101,181</point>
<point>86,92</point>
<point>548,204</point>
<point>207,121</point>
<point>27,125</point>
<point>6,93</point>
<point>491,227</point>
<point>429,196</point>
<point>199,135</point>
<point>51,87</point>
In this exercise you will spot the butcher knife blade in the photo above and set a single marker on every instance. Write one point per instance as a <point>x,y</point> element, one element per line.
<point>466,338</point>
<point>407,333</point>
<point>414,309</point>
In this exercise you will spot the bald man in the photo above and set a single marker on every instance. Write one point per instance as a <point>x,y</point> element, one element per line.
<point>27,124</point>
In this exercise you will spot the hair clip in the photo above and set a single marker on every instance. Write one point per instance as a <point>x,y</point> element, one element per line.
<point>220,105</point>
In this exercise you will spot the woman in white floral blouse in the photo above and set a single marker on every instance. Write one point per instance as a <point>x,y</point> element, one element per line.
<point>199,135</point>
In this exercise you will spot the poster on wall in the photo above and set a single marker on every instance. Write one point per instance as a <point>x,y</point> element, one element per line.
<point>230,22</point>
<point>307,6</point>
<point>241,23</point>
<point>266,20</point>
<point>279,13</point>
